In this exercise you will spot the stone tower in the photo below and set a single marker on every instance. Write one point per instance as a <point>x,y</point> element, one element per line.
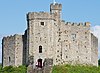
<point>56,9</point>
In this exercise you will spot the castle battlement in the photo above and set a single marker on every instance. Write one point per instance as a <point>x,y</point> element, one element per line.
<point>40,15</point>
<point>87,24</point>
<point>56,6</point>
<point>11,37</point>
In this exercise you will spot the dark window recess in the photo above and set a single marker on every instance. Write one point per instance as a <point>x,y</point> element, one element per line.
<point>40,63</point>
<point>57,50</point>
<point>42,23</point>
<point>40,49</point>
<point>66,56</point>
<point>9,59</point>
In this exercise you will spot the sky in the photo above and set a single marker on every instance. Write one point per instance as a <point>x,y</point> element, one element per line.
<point>13,14</point>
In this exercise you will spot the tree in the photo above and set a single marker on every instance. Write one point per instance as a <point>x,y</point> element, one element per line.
<point>99,62</point>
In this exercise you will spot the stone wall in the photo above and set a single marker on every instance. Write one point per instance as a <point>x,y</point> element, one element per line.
<point>18,50</point>
<point>40,33</point>
<point>8,44</point>
<point>75,43</point>
<point>12,50</point>
<point>94,50</point>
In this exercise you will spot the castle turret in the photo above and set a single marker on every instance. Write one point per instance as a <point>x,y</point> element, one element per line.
<point>56,9</point>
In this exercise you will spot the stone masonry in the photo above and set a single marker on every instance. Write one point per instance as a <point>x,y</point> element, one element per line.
<point>12,50</point>
<point>49,40</point>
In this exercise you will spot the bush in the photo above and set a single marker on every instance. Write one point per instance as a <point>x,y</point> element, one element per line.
<point>11,69</point>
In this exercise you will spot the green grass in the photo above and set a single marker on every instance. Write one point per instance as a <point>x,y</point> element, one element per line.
<point>11,69</point>
<point>75,69</point>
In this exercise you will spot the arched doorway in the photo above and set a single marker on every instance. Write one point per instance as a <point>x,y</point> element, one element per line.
<point>40,63</point>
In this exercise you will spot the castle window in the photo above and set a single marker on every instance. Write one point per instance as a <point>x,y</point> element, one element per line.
<point>73,37</point>
<point>40,49</point>
<point>42,23</point>
<point>85,32</point>
<point>9,59</point>
<point>57,50</point>
<point>66,56</point>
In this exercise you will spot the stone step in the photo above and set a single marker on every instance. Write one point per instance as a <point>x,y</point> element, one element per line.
<point>40,70</point>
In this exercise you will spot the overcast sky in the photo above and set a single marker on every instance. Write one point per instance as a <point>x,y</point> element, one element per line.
<point>13,14</point>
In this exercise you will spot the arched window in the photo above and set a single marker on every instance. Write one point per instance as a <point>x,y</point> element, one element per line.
<point>40,49</point>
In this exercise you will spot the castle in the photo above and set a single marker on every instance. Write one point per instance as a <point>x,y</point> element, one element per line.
<point>49,40</point>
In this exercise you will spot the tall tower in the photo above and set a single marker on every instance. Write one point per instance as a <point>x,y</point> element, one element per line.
<point>56,9</point>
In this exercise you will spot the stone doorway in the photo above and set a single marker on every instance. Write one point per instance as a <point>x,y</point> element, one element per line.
<point>39,63</point>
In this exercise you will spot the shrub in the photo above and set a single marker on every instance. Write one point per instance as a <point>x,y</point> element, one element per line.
<point>11,69</point>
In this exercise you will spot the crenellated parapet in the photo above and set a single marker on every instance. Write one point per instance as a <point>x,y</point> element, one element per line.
<point>55,6</point>
<point>87,24</point>
<point>40,16</point>
<point>11,37</point>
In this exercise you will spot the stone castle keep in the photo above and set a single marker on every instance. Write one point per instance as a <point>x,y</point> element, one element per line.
<point>49,40</point>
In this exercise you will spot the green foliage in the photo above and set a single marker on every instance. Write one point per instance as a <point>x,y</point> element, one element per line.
<point>99,62</point>
<point>0,68</point>
<point>75,69</point>
<point>11,69</point>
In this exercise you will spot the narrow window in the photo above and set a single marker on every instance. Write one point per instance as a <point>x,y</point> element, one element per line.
<point>42,23</point>
<point>66,56</point>
<point>40,49</point>
<point>9,59</point>
<point>85,32</point>
<point>40,38</point>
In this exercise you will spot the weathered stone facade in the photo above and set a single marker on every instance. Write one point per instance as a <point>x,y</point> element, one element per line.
<point>12,50</point>
<point>49,40</point>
